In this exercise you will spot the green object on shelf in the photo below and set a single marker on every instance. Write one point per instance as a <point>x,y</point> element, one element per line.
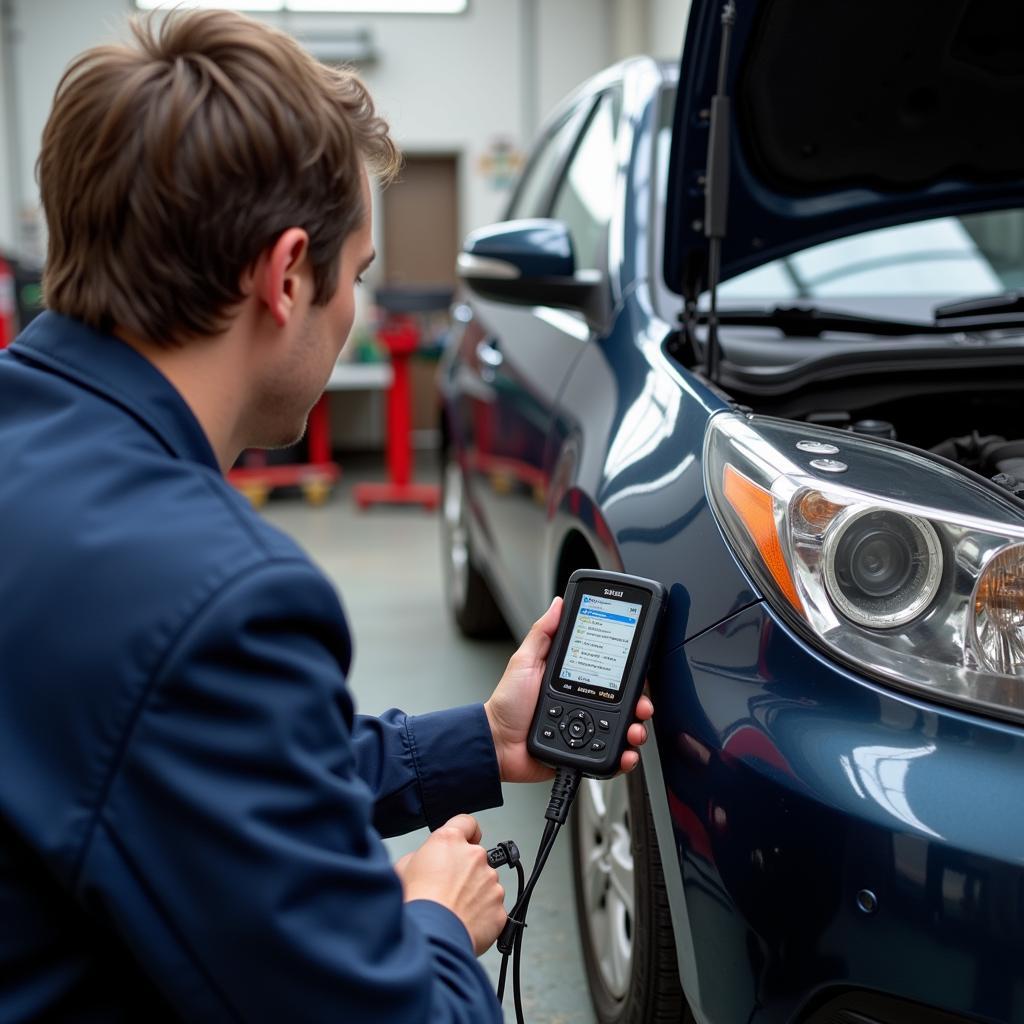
<point>32,296</point>
<point>366,347</point>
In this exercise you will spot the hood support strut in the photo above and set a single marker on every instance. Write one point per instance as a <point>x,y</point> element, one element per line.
<point>716,191</point>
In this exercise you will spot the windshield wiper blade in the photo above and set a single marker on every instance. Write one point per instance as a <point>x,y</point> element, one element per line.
<point>812,322</point>
<point>1008,302</point>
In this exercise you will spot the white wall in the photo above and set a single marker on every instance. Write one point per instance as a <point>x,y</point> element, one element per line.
<point>447,83</point>
<point>48,33</point>
<point>574,39</point>
<point>7,198</point>
<point>666,26</point>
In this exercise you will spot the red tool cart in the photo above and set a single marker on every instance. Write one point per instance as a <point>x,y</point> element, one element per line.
<point>400,333</point>
<point>8,304</point>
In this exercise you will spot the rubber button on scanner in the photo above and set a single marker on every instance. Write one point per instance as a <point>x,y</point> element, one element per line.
<point>577,729</point>
<point>597,745</point>
<point>603,724</point>
<point>575,743</point>
<point>555,711</point>
<point>548,734</point>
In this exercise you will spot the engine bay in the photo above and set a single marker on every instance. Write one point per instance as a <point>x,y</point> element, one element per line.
<point>973,418</point>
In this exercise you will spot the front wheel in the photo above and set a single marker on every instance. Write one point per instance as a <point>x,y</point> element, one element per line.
<point>622,907</point>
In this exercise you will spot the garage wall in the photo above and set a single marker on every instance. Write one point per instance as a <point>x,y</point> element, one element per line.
<point>447,83</point>
<point>7,200</point>
<point>666,25</point>
<point>47,33</point>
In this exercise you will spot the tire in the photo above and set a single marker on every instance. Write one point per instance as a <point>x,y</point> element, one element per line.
<point>622,909</point>
<point>469,598</point>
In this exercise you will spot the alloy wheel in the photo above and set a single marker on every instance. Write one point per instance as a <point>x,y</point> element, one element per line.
<point>606,863</point>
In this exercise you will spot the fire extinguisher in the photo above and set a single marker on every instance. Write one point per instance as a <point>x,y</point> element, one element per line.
<point>8,306</point>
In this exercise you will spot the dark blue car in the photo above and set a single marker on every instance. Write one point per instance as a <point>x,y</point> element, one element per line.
<point>822,461</point>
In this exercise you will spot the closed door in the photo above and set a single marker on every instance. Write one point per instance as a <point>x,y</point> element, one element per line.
<point>421,242</point>
<point>421,223</point>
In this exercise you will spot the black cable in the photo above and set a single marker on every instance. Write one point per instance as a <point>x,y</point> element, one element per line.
<point>563,792</point>
<point>510,942</point>
<point>504,960</point>
<point>517,994</point>
<point>517,919</point>
<point>501,979</point>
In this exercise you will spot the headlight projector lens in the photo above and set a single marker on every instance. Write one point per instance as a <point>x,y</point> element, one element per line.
<point>882,568</point>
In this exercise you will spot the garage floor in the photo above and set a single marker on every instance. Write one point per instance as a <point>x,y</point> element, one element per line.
<point>386,566</point>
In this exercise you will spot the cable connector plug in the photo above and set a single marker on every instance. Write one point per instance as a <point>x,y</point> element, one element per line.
<point>563,792</point>
<point>504,853</point>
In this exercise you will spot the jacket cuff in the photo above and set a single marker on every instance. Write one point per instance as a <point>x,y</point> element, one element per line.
<point>456,763</point>
<point>440,924</point>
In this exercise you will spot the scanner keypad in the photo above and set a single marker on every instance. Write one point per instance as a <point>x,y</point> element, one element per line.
<point>575,726</point>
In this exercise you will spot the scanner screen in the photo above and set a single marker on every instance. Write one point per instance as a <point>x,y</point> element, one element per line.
<point>600,642</point>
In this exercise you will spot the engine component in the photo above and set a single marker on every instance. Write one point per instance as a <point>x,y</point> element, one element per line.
<point>991,455</point>
<point>1006,458</point>
<point>875,428</point>
<point>840,420</point>
<point>1010,483</point>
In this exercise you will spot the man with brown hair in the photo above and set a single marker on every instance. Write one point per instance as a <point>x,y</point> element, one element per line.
<point>190,810</point>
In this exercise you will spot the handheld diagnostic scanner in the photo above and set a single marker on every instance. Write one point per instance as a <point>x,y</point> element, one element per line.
<point>596,671</point>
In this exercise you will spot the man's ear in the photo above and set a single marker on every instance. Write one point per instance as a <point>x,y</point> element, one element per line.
<point>278,273</point>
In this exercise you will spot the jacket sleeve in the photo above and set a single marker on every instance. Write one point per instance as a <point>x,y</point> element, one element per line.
<point>234,850</point>
<point>422,769</point>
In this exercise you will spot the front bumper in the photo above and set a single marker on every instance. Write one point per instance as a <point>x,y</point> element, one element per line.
<point>835,836</point>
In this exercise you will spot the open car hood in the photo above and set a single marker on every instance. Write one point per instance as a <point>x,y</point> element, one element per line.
<point>847,115</point>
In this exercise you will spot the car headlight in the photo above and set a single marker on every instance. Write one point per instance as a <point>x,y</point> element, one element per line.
<point>900,565</point>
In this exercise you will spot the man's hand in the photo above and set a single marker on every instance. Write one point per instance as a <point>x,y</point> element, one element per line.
<point>451,868</point>
<point>510,708</point>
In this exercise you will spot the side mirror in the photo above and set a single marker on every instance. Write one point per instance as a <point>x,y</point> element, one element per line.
<point>531,263</point>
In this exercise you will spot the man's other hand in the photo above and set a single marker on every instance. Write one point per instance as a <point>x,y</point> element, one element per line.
<point>451,868</point>
<point>510,708</point>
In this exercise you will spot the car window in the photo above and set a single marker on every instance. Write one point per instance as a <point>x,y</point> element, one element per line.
<point>940,258</point>
<point>586,196</point>
<point>930,258</point>
<point>534,191</point>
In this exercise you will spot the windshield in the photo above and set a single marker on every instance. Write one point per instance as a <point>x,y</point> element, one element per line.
<point>905,269</point>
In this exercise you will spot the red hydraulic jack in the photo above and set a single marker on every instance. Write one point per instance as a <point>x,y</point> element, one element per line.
<point>8,305</point>
<point>400,336</point>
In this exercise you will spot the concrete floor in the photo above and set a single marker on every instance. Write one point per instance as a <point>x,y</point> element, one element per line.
<point>386,564</point>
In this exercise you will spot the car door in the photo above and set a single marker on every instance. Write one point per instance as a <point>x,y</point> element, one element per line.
<point>523,355</point>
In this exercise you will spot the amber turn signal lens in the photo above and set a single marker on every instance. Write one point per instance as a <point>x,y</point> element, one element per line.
<point>999,612</point>
<point>817,511</point>
<point>755,507</point>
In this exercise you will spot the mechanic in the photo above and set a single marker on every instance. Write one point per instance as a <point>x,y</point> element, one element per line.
<point>190,810</point>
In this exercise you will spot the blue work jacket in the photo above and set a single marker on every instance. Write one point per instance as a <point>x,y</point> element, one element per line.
<point>190,811</point>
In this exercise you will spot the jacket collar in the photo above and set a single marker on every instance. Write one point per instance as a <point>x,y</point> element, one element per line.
<point>113,369</point>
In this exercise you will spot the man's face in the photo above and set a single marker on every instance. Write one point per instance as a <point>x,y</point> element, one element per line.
<point>308,353</point>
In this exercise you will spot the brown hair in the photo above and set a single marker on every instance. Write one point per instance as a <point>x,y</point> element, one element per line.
<point>167,167</point>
